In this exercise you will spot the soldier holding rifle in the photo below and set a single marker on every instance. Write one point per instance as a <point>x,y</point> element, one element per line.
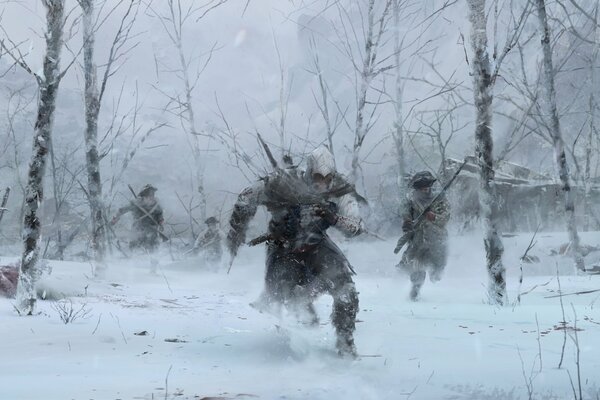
<point>148,219</point>
<point>425,216</point>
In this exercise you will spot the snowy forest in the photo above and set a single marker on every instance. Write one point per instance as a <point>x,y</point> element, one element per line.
<point>440,160</point>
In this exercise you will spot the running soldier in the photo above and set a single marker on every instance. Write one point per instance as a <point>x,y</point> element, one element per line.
<point>148,219</point>
<point>427,248</point>
<point>302,260</point>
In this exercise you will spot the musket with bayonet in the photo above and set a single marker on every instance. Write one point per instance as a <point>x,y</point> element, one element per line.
<point>147,214</point>
<point>407,237</point>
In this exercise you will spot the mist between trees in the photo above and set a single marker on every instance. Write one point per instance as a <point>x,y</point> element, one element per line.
<point>174,92</point>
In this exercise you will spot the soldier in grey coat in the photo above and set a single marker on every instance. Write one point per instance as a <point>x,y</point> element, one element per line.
<point>147,219</point>
<point>302,260</point>
<point>427,248</point>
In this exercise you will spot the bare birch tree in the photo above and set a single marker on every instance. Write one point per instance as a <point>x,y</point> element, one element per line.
<point>549,94</point>
<point>93,101</point>
<point>411,23</point>
<point>574,51</point>
<point>441,126</point>
<point>48,84</point>
<point>178,14</point>
<point>397,131</point>
<point>589,38</point>
<point>19,102</point>
<point>368,63</point>
<point>323,102</point>
<point>593,110</point>
<point>484,77</point>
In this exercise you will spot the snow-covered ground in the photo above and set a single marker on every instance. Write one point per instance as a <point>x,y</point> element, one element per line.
<point>186,333</point>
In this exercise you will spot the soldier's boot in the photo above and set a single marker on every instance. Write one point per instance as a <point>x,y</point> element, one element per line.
<point>435,275</point>
<point>303,296</point>
<point>343,318</point>
<point>345,346</point>
<point>414,292</point>
<point>417,278</point>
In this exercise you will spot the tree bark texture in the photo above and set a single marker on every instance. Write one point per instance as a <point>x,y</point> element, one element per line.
<point>366,76</point>
<point>587,184</point>
<point>482,88</point>
<point>34,193</point>
<point>549,95</point>
<point>92,111</point>
<point>398,133</point>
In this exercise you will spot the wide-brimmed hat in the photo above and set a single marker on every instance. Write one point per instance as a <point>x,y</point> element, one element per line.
<point>146,190</point>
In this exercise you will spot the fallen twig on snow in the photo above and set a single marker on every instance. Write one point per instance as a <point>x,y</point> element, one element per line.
<point>572,294</point>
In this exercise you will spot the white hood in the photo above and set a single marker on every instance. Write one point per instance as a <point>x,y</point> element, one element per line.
<point>320,161</point>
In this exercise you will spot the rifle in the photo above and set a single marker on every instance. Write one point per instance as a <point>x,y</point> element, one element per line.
<point>261,239</point>
<point>421,217</point>
<point>147,214</point>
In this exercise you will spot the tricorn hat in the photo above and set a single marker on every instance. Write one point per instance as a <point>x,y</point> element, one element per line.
<point>146,190</point>
<point>211,220</point>
<point>422,179</point>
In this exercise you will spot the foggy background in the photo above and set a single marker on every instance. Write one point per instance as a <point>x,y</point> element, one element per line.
<point>254,67</point>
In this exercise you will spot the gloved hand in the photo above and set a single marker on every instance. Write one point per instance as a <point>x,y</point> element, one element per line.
<point>407,225</point>
<point>430,215</point>
<point>328,213</point>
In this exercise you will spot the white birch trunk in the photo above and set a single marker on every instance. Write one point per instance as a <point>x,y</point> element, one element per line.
<point>324,107</point>
<point>587,185</point>
<point>549,95</point>
<point>191,120</point>
<point>397,132</point>
<point>365,82</point>
<point>48,88</point>
<point>482,82</point>
<point>92,110</point>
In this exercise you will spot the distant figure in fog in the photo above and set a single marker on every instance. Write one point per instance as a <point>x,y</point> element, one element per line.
<point>427,249</point>
<point>208,243</point>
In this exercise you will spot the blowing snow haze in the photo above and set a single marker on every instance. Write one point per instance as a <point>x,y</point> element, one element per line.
<point>131,140</point>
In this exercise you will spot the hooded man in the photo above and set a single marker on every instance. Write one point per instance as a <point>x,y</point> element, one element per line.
<point>427,248</point>
<point>302,260</point>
